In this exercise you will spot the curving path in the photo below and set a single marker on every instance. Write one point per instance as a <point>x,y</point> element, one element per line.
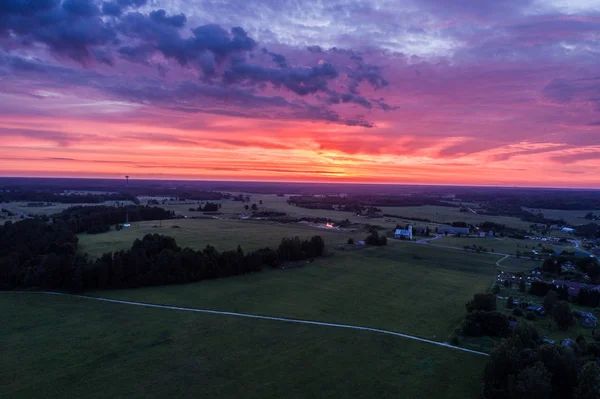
<point>251,316</point>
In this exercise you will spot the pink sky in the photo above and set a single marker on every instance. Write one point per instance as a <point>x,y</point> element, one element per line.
<point>477,93</point>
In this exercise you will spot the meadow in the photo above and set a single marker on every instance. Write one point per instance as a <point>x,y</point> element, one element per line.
<point>223,234</point>
<point>447,215</point>
<point>76,348</point>
<point>501,244</point>
<point>571,217</point>
<point>69,347</point>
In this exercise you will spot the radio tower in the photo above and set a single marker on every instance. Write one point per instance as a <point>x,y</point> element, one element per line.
<point>127,180</point>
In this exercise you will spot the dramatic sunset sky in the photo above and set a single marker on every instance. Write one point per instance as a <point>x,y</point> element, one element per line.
<point>486,92</point>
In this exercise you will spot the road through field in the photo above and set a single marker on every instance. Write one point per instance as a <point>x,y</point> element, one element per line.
<point>316,323</point>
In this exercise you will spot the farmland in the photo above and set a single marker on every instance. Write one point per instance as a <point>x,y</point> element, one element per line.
<point>64,347</point>
<point>446,215</point>
<point>223,234</point>
<point>504,245</point>
<point>156,353</point>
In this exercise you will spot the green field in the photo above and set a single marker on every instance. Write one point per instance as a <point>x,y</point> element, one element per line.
<point>223,234</point>
<point>446,215</point>
<point>68,347</point>
<point>402,287</point>
<point>515,265</point>
<point>571,217</point>
<point>504,245</point>
<point>71,348</point>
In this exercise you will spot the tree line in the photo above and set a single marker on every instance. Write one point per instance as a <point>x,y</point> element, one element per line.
<point>98,219</point>
<point>40,255</point>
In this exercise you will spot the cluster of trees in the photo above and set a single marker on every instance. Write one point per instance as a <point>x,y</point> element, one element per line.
<point>32,248</point>
<point>590,230</point>
<point>541,288</point>
<point>522,366</point>
<point>364,204</point>
<point>50,196</point>
<point>589,266</point>
<point>592,216</point>
<point>98,219</point>
<point>483,318</point>
<point>42,255</point>
<point>208,207</point>
<point>375,239</point>
<point>587,297</point>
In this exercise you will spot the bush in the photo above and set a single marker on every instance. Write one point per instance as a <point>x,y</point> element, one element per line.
<point>517,312</point>
<point>455,341</point>
<point>496,289</point>
<point>485,302</point>
<point>493,324</point>
<point>510,302</point>
<point>530,316</point>
<point>350,241</point>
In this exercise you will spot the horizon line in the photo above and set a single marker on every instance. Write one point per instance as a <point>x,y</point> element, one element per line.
<point>308,182</point>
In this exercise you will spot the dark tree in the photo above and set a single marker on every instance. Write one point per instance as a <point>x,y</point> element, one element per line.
<point>532,383</point>
<point>550,300</point>
<point>589,382</point>
<point>485,301</point>
<point>562,315</point>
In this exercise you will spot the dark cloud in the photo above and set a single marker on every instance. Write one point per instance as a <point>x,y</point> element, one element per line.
<point>229,70</point>
<point>301,81</point>
<point>69,29</point>
<point>111,8</point>
<point>160,16</point>
<point>81,8</point>
<point>278,59</point>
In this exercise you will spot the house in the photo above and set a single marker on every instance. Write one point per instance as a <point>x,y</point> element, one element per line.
<point>568,230</point>
<point>539,310</point>
<point>452,230</point>
<point>404,234</point>
<point>588,320</point>
<point>537,271</point>
<point>490,234</point>
<point>568,342</point>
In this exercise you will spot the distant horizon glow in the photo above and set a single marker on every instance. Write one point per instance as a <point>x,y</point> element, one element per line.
<point>480,93</point>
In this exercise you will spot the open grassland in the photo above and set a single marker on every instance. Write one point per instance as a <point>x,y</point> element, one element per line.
<point>223,234</point>
<point>408,288</point>
<point>515,265</point>
<point>446,214</point>
<point>76,348</point>
<point>571,217</point>
<point>230,208</point>
<point>501,244</point>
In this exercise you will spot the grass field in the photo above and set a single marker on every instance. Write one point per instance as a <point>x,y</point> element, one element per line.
<point>70,348</point>
<point>504,245</point>
<point>515,265</point>
<point>224,234</point>
<point>404,287</point>
<point>571,217</point>
<point>445,214</point>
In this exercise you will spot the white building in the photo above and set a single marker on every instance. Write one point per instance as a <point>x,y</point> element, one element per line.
<point>404,234</point>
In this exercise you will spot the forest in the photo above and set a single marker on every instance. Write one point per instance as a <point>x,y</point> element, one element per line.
<point>39,254</point>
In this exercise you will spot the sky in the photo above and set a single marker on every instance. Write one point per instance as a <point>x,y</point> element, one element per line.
<point>470,92</point>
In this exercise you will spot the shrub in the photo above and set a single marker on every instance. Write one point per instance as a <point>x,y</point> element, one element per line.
<point>350,241</point>
<point>517,312</point>
<point>530,316</point>
<point>510,302</point>
<point>485,302</point>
